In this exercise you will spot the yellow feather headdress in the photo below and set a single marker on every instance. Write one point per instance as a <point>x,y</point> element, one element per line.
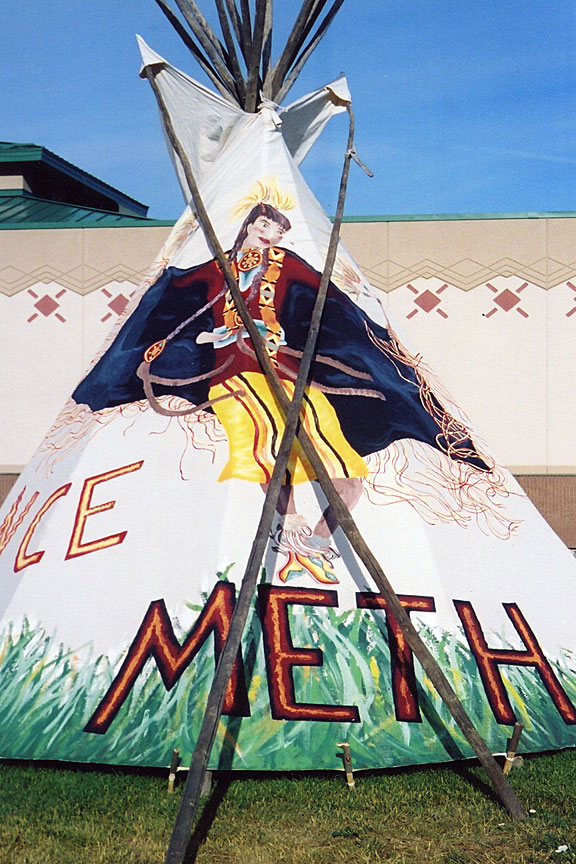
<point>266,191</point>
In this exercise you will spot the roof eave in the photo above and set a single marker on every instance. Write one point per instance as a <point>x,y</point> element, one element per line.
<point>36,153</point>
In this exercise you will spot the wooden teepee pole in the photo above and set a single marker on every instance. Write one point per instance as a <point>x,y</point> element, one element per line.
<point>242,35</point>
<point>345,519</point>
<point>231,48</point>
<point>203,61</point>
<point>293,43</point>
<point>302,59</point>
<point>200,758</point>
<point>253,83</point>
<point>343,515</point>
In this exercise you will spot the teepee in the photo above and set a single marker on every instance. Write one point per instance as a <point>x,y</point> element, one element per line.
<point>125,541</point>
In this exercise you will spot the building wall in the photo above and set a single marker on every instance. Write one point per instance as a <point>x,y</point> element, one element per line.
<point>61,290</point>
<point>489,303</point>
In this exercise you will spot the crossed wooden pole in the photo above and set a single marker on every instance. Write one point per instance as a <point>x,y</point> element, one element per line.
<point>291,409</point>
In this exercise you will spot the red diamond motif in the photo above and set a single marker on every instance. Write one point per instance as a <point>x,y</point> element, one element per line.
<point>427,301</point>
<point>118,304</point>
<point>46,305</point>
<point>506,300</point>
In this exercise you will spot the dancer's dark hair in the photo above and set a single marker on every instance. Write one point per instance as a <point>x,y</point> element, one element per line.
<point>261,209</point>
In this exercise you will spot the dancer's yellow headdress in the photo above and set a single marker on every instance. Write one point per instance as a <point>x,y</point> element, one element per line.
<point>266,191</point>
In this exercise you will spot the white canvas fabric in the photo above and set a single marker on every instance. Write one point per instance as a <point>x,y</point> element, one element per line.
<point>127,510</point>
<point>204,121</point>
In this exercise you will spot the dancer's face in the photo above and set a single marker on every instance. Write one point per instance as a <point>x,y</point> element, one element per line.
<point>263,232</point>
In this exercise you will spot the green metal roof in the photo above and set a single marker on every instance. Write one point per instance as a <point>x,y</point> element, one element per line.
<point>24,211</point>
<point>12,152</point>
<point>452,217</point>
<point>64,180</point>
<point>20,210</point>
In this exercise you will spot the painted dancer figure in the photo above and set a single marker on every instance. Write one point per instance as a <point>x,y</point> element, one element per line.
<point>187,338</point>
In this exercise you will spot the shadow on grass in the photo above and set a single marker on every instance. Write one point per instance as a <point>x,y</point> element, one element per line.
<point>465,770</point>
<point>207,816</point>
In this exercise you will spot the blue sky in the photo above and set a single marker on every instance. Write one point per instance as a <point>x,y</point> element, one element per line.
<point>462,106</point>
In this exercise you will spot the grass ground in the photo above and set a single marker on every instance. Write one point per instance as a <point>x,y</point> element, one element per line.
<point>437,815</point>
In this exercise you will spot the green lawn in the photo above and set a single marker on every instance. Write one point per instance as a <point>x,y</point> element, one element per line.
<point>432,815</point>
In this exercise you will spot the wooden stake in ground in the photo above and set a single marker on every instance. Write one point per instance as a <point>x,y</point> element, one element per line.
<point>174,763</point>
<point>347,760</point>
<point>512,747</point>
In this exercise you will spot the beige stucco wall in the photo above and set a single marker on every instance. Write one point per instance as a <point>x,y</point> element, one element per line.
<point>491,306</point>
<point>489,303</point>
<point>60,292</point>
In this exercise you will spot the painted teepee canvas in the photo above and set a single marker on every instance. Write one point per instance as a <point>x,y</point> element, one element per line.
<point>123,543</point>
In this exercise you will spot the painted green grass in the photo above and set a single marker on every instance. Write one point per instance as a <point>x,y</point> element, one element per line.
<point>47,694</point>
<point>435,814</point>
